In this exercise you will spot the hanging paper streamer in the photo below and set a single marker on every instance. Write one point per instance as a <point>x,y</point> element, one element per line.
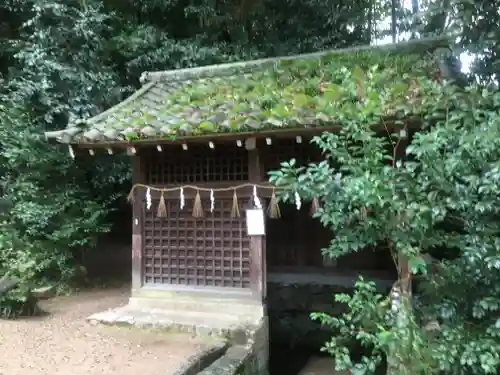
<point>162,207</point>
<point>273,210</point>
<point>182,199</point>
<point>256,200</point>
<point>298,202</point>
<point>197,206</point>
<point>212,201</point>
<point>148,199</point>
<point>314,206</point>
<point>235,212</point>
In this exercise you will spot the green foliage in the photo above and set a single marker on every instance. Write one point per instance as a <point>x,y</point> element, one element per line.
<point>370,321</point>
<point>476,23</point>
<point>18,263</point>
<point>52,208</point>
<point>443,197</point>
<point>43,224</point>
<point>18,302</point>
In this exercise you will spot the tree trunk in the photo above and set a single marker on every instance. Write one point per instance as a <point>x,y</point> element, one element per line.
<point>401,306</point>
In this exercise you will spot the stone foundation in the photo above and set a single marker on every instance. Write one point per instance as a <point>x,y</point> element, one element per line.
<point>291,298</point>
<point>250,358</point>
<point>289,309</point>
<point>220,306</point>
<point>199,313</point>
<point>201,360</point>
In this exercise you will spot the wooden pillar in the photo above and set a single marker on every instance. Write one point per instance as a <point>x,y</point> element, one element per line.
<point>257,243</point>
<point>137,226</point>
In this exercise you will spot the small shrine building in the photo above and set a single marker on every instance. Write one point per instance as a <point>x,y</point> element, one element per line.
<point>207,231</point>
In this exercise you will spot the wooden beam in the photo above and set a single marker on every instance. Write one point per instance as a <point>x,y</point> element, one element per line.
<point>215,138</point>
<point>137,226</point>
<point>257,243</point>
<point>238,138</point>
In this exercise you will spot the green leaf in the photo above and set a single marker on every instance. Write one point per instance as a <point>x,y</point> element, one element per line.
<point>417,264</point>
<point>300,100</point>
<point>206,125</point>
<point>384,337</point>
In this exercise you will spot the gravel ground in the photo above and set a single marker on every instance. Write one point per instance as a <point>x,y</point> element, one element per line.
<point>63,342</point>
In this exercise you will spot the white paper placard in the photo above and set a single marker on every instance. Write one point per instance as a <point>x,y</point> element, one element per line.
<point>255,222</point>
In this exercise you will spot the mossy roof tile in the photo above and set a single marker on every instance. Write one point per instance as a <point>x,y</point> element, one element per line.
<point>313,90</point>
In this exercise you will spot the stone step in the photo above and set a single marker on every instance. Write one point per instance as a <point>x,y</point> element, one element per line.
<point>229,307</point>
<point>193,293</point>
<point>202,323</point>
<point>207,319</point>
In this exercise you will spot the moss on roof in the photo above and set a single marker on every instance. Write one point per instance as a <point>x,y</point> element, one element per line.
<point>330,88</point>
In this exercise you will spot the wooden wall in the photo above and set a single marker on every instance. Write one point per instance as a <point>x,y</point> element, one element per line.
<point>214,251</point>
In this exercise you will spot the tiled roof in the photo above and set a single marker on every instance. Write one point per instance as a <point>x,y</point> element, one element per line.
<point>301,91</point>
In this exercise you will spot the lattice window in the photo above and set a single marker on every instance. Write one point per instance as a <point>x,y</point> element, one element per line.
<point>183,250</point>
<point>197,164</point>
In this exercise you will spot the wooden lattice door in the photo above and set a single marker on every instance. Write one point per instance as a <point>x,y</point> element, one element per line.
<point>209,251</point>
<point>213,251</point>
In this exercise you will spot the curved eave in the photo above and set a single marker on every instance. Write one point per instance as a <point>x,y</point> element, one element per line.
<point>221,137</point>
<point>56,137</point>
<point>67,135</point>
<point>235,136</point>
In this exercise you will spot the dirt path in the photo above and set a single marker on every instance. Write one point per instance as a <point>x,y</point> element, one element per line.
<point>65,343</point>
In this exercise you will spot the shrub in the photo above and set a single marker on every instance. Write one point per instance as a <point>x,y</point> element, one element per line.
<point>442,199</point>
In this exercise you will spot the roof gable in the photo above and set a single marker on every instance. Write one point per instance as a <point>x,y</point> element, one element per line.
<point>312,90</point>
